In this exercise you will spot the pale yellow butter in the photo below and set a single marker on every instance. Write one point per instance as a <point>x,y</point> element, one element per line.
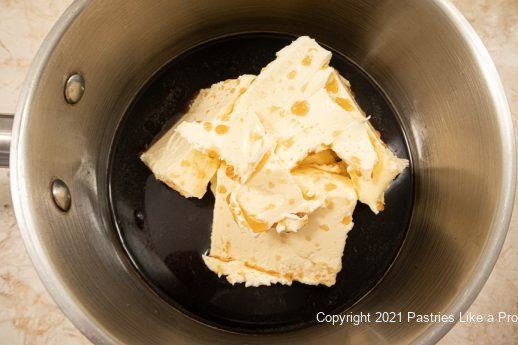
<point>311,256</point>
<point>289,153</point>
<point>175,161</point>
<point>271,199</point>
<point>372,184</point>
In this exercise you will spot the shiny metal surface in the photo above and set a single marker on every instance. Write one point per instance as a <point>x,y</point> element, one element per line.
<point>6,124</point>
<point>61,195</point>
<point>423,54</point>
<point>74,88</point>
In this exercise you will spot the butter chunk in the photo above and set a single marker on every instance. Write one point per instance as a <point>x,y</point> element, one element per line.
<point>294,98</point>
<point>253,127</point>
<point>371,191</point>
<point>328,124</point>
<point>370,187</point>
<point>219,99</point>
<point>174,161</point>
<point>182,168</point>
<point>240,141</point>
<point>271,198</point>
<point>298,72</point>
<point>353,145</point>
<point>313,255</point>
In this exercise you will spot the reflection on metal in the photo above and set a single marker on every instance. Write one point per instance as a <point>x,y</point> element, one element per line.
<point>74,88</point>
<point>61,195</point>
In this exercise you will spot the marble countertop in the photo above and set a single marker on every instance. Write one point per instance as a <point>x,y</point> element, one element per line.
<point>27,313</point>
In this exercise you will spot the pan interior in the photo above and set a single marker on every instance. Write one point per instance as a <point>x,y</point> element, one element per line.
<point>165,234</point>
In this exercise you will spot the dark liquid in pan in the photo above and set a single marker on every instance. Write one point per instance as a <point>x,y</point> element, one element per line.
<point>165,234</point>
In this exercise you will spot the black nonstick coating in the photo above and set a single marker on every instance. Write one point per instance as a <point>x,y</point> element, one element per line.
<point>165,234</point>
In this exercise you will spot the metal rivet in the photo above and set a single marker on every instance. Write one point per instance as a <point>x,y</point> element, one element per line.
<point>61,195</point>
<point>74,88</point>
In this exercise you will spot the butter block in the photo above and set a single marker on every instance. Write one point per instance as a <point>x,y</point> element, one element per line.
<point>311,256</point>
<point>174,161</point>
<point>371,186</point>
<point>298,71</point>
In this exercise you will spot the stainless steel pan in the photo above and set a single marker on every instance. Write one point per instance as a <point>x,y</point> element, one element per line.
<point>423,54</point>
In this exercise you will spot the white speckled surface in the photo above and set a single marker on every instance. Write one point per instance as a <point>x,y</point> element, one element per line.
<point>27,313</point>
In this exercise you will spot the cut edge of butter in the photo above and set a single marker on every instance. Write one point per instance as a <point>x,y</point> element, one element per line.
<point>236,271</point>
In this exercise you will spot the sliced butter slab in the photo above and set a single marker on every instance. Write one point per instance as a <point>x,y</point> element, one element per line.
<point>287,97</point>
<point>326,123</point>
<point>273,88</point>
<point>353,144</point>
<point>178,165</point>
<point>311,256</point>
<point>371,191</point>
<point>218,101</point>
<point>240,141</point>
<point>370,187</point>
<point>297,72</point>
<point>174,161</point>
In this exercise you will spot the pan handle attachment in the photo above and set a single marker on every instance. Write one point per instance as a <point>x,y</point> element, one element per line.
<point>6,125</point>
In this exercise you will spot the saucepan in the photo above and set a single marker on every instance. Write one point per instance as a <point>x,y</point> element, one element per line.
<point>105,82</point>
